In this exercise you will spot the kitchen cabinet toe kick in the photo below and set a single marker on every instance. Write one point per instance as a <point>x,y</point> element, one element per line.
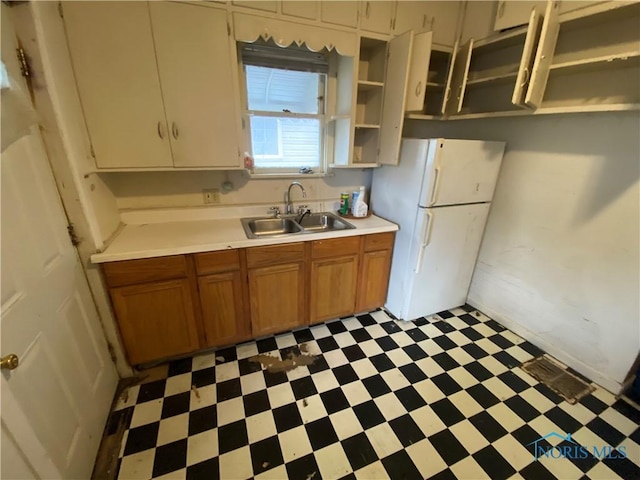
<point>175,305</point>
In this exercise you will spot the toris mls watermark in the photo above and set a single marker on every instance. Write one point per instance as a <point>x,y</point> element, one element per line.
<point>575,451</point>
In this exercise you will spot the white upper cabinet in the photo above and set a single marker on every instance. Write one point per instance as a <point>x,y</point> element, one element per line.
<point>393,103</point>
<point>512,14</point>
<point>418,72</point>
<point>340,13</point>
<point>457,78</point>
<point>114,62</point>
<point>411,16</point>
<point>308,9</point>
<point>526,61</point>
<point>264,5</point>
<point>445,17</point>
<point>376,16</point>
<point>156,83</point>
<point>194,59</point>
<point>544,56</point>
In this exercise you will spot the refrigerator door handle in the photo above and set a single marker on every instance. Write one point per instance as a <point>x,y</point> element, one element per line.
<point>436,184</point>
<point>426,237</point>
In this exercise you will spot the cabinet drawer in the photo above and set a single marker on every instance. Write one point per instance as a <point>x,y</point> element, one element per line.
<point>335,247</point>
<point>378,241</point>
<point>275,255</point>
<point>131,272</point>
<point>216,262</point>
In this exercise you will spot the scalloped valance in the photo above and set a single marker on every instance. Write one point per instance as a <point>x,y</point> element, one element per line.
<point>248,28</point>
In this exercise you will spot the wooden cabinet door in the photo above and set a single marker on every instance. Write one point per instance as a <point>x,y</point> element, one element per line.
<point>418,71</point>
<point>395,88</point>
<point>526,62</point>
<point>223,314</point>
<point>265,5</point>
<point>156,320</point>
<point>376,16</point>
<point>340,13</point>
<point>112,51</point>
<point>196,61</point>
<point>512,14</point>
<point>333,288</point>
<point>374,280</point>
<point>277,298</point>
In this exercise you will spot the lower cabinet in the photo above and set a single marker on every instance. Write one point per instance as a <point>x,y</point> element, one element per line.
<point>277,298</point>
<point>277,290</point>
<point>170,306</point>
<point>156,319</point>
<point>223,311</point>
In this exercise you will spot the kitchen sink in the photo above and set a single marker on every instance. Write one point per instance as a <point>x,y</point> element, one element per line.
<point>262,227</point>
<point>322,222</point>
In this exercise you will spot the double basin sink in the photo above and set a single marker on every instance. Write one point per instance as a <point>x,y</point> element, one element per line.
<point>261,227</point>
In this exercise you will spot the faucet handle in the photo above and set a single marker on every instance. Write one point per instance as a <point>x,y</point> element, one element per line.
<point>275,211</point>
<point>302,209</point>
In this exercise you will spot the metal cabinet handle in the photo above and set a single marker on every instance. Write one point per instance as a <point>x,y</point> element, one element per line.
<point>459,92</point>
<point>366,12</point>
<point>424,20</point>
<point>419,88</point>
<point>161,130</point>
<point>9,362</point>
<point>501,9</point>
<point>174,130</point>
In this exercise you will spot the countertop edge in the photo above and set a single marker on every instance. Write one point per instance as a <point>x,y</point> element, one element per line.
<point>105,257</point>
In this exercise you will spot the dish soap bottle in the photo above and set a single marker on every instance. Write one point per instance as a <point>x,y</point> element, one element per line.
<point>359,208</point>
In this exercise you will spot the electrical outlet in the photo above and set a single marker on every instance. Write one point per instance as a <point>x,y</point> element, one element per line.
<point>211,196</point>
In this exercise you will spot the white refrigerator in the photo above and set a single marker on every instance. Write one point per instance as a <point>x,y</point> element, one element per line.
<point>439,195</point>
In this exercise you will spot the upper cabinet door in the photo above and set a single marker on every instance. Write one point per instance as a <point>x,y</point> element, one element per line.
<point>196,66</point>
<point>308,9</point>
<point>512,14</point>
<point>340,13</point>
<point>395,87</point>
<point>447,86</point>
<point>457,81</point>
<point>111,44</point>
<point>418,70</point>
<point>544,56</point>
<point>376,16</point>
<point>526,62</point>
<point>266,5</point>
<point>411,16</point>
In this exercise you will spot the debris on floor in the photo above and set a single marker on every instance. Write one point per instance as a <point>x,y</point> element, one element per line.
<point>292,360</point>
<point>558,379</point>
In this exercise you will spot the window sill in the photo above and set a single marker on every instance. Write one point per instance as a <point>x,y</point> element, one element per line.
<point>267,176</point>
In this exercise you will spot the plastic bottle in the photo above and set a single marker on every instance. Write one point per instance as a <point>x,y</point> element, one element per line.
<point>360,208</point>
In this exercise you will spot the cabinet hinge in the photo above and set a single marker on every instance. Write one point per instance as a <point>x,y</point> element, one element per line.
<point>75,241</point>
<point>92,151</point>
<point>228,29</point>
<point>24,63</point>
<point>60,12</point>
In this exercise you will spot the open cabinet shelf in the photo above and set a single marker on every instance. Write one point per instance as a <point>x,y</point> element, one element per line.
<point>596,61</point>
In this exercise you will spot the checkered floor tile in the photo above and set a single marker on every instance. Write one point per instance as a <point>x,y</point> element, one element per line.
<point>439,398</point>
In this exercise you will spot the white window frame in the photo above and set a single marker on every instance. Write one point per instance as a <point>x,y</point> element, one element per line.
<point>323,91</point>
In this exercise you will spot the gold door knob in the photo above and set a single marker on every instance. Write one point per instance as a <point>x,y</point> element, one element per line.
<point>9,362</point>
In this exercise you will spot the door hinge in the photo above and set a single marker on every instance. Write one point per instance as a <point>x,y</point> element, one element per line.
<point>24,63</point>
<point>75,241</point>
<point>60,12</point>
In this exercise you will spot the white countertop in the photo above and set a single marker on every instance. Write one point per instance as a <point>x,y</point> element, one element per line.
<point>191,236</point>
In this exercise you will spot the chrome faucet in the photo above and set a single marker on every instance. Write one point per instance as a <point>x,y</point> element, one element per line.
<point>288,206</point>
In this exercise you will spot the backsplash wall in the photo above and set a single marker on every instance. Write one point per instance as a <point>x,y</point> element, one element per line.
<point>135,190</point>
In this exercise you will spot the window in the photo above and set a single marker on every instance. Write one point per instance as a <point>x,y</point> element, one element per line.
<point>285,95</point>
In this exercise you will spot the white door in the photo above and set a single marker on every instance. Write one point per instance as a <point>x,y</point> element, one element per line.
<point>444,251</point>
<point>55,403</point>
<point>194,52</point>
<point>461,171</point>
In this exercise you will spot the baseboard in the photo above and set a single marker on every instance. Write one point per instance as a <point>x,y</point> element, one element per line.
<point>595,376</point>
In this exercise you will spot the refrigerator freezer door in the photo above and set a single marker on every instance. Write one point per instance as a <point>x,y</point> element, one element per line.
<point>443,255</point>
<point>461,171</point>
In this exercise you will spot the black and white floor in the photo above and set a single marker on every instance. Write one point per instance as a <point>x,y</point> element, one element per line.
<point>441,398</point>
